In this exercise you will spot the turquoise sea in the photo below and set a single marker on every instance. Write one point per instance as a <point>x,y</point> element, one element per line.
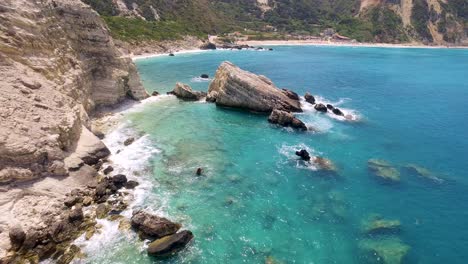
<point>256,203</point>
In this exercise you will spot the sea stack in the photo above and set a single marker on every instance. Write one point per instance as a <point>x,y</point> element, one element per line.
<point>234,87</point>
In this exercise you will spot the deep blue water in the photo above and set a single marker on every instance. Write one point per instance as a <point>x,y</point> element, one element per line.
<point>256,202</point>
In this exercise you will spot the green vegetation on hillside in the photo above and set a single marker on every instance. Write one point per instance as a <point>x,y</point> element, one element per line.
<point>419,19</point>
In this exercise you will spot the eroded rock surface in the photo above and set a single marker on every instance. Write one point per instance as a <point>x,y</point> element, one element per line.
<point>185,92</point>
<point>286,119</point>
<point>234,87</point>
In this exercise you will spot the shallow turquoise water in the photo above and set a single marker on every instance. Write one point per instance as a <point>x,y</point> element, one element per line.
<point>257,201</point>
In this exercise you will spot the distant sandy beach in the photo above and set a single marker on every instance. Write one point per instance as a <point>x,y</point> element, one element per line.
<point>335,43</point>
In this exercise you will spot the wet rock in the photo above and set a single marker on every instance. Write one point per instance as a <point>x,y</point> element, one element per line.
<point>290,94</point>
<point>125,224</point>
<point>171,54</point>
<point>154,93</point>
<point>378,225</point>
<point>17,236</point>
<point>234,87</point>
<point>387,250</point>
<point>129,141</point>
<point>337,111</point>
<point>102,210</point>
<point>99,134</point>
<point>321,108</point>
<point>309,98</point>
<point>72,200</point>
<point>423,173</point>
<point>87,200</point>
<point>72,252</point>
<point>330,107</point>
<point>304,154</point>
<point>170,245</point>
<point>119,180</point>
<point>204,76</point>
<point>270,49</point>
<point>150,225</point>
<point>383,170</point>
<point>131,184</point>
<point>76,214</point>
<point>199,171</point>
<point>286,119</point>
<point>108,170</point>
<point>185,92</point>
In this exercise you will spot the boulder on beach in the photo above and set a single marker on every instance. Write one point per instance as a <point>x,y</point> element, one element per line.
<point>185,92</point>
<point>286,119</point>
<point>383,170</point>
<point>150,225</point>
<point>169,245</point>
<point>304,154</point>
<point>208,46</point>
<point>321,108</point>
<point>234,87</point>
<point>309,98</point>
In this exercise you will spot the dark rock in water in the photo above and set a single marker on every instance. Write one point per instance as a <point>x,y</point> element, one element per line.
<point>270,49</point>
<point>171,54</point>
<point>99,134</point>
<point>330,107</point>
<point>204,76</point>
<point>17,236</point>
<point>153,226</point>
<point>108,170</point>
<point>185,92</point>
<point>170,245</point>
<point>309,98</point>
<point>129,141</point>
<point>304,154</point>
<point>208,46</point>
<point>199,171</point>
<point>290,94</point>
<point>131,184</point>
<point>119,180</point>
<point>286,119</point>
<point>337,111</point>
<point>154,93</point>
<point>76,214</point>
<point>234,87</point>
<point>321,108</point>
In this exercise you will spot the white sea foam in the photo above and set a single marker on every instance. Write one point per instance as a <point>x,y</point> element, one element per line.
<point>349,114</point>
<point>200,79</point>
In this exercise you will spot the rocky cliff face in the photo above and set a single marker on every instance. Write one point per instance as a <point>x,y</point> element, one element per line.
<point>57,64</point>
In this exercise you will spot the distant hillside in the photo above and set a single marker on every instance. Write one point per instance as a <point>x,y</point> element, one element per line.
<point>390,21</point>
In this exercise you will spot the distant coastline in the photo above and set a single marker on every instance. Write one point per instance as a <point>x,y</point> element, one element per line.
<point>339,44</point>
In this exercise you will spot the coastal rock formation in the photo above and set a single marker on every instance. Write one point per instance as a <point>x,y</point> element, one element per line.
<point>153,226</point>
<point>58,63</point>
<point>387,250</point>
<point>170,245</point>
<point>234,87</point>
<point>208,46</point>
<point>286,119</point>
<point>309,98</point>
<point>337,111</point>
<point>185,92</point>
<point>423,173</point>
<point>379,225</point>
<point>304,154</point>
<point>383,170</point>
<point>321,108</point>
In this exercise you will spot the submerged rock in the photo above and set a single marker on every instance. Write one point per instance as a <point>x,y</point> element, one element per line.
<point>286,119</point>
<point>388,250</point>
<point>153,226</point>
<point>383,170</point>
<point>321,108</point>
<point>309,98</point>
<point>234,87</point>
<point>169,245</point>
<point>185,92</point>
<point>423,172</point>
<point>378,225</point>
<point>324,164</point>
<point>129,141</point>
<point>304,154</point>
